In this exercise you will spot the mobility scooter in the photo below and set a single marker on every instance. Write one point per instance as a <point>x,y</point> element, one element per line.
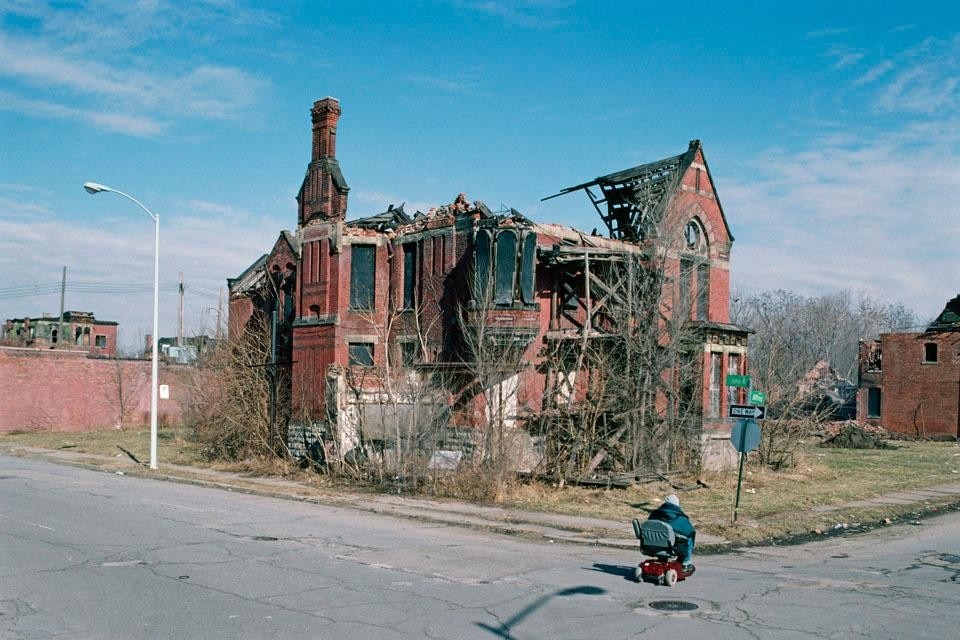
<point>659,541</point>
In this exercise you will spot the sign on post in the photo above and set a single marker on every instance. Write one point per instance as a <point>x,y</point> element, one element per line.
<point>758,397</point>
<point>747,411</point>
<point>736,380</point>
<point>745,435</point>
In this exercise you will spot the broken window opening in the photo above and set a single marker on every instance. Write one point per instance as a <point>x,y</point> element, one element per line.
<point>930,352</point>
<point>716,375</point>
<point>100,341</point>
<point>410,353</point>
<point>362,276</point>
<point>361,354</point>
<point>873,402</point>
<point>409,275</point>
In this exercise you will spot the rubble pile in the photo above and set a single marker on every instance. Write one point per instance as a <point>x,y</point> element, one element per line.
<point>855,436</point>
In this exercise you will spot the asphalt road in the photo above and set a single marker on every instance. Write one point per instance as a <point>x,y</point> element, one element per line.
<point>87,554</point>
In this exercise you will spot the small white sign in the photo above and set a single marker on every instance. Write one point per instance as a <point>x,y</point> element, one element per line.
<point>164,392</point>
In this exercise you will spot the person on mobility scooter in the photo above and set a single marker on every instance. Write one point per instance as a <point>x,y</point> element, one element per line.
<point>667,532</point>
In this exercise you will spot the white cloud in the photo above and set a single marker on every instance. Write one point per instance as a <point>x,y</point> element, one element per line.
<point>92,59</point>
<point>874,216</point>
<point>530,14</point>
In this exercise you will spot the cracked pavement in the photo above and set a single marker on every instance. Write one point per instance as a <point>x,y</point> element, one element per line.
<point>86,554</point>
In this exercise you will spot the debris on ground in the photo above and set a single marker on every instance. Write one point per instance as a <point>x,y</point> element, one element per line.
<point>854,436</point>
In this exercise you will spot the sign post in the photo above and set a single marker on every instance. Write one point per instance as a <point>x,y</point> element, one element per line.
<point>745,436</point>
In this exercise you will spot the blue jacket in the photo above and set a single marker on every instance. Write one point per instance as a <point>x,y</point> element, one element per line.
<point>676,518</point>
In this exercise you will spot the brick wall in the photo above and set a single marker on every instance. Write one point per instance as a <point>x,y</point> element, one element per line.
<point>67,391</point>
<point>918,398</point>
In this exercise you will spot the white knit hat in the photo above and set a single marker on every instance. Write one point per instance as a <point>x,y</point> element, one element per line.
<point>673,499</point>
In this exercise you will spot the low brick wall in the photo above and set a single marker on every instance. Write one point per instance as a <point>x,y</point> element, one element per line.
<point>49,390</point>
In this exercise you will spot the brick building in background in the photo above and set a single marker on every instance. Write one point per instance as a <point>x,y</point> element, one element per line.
<point>79,331</point>
<point>463,316</point>
<point>910,382</point>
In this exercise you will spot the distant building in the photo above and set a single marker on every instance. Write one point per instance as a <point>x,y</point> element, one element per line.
<point>79,331</point>
<point>910,382</point>
<point>187,351</point>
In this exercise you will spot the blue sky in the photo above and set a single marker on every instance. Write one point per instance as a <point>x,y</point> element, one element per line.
<point>831,130</point>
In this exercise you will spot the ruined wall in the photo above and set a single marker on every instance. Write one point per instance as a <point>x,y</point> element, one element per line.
<point>918,398</point>
<point>67,391</point>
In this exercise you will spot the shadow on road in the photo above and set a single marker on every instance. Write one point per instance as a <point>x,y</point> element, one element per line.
<point>503,630</point>
<point>625,572</point>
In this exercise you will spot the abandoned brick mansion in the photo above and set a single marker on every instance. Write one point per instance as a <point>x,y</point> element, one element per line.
<point>463,329</point>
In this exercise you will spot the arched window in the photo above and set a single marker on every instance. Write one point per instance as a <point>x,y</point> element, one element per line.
<point>481,265</point>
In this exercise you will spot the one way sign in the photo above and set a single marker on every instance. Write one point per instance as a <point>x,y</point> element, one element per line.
<point>747,411</point>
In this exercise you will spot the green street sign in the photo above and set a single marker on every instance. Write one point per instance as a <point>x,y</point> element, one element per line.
<point>758,397</point>
<point>734,380</point>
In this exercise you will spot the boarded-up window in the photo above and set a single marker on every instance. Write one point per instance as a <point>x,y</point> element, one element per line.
<point>361,354</point>
<point>528,269</point>
<point>481,265</point>
<point>506,266</point>
<point>362,275</point>
<point>409,275</point>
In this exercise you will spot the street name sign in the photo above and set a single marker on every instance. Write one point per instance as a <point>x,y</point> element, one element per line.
<point>735,380</point>
<point>747,411</point>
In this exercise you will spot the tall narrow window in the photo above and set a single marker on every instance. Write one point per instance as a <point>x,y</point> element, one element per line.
<point>686,278</point>
<point>409,275</point>
<point>362,276</point>
<point>481,265</point>
<point>528,269</point>
<point>703,290</point>
<point>716,374</point>
<point>930,352</point>
<point>733,368</point>
<point>873,402</point>
<point>506,266</point>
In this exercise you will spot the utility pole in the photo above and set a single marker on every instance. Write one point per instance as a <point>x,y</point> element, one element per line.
<point>180,315</point>
<point>63,295</point>
<point>219,312</point>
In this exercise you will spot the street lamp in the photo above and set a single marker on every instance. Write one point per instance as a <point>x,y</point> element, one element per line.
<point>93,187</point>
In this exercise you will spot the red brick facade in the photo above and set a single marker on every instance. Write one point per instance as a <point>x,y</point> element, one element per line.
<point>391,286</point>
<point>910,383</point>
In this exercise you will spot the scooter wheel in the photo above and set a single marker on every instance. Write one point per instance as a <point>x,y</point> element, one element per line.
<point>670,577</point>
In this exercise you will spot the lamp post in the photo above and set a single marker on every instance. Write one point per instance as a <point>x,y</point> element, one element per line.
<point>93,187</point>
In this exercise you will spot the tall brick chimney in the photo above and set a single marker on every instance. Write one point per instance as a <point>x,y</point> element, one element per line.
<point>323,196</point>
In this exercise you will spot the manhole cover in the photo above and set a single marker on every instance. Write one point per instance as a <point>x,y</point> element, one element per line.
<point>673,605</point>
